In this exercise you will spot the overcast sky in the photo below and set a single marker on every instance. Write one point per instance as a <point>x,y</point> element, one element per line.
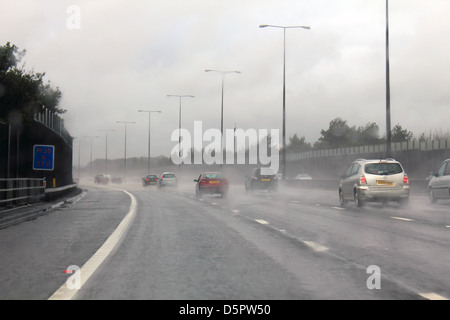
<point>129,55</point>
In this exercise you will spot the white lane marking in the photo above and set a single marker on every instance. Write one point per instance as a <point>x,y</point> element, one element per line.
<point>235,212</point>
<point>261,221</point>
<point>295,201</point>
<point>338,208</point>
<point>403,219</point>
<point>214,203</point>
<point>447,226</point>
<point>57,205</point>
<point>86,271</point>
<point>315,246</point>
<point>432,296</point>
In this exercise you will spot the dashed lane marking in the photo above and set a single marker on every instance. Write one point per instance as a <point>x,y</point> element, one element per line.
<point>432,296</point>
<point>315,246</point>
<point>402,219</point>
<point>261,221</point>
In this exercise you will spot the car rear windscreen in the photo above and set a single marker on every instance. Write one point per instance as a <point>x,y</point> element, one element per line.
<point>267,172</point>
<point>213,176</point>
<point>383,168</point>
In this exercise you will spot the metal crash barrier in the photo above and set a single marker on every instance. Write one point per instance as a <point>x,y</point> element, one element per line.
<point>20,191</point>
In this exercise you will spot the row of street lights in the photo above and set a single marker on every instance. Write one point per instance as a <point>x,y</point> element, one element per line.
<point>180,97</point>
<point>224,73</point>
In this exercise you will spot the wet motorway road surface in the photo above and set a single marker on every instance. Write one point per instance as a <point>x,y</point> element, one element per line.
<point>292,244</point>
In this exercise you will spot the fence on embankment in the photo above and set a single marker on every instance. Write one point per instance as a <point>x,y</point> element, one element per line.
<point>19,178</point>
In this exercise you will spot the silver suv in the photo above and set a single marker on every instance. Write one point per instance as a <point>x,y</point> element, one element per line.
<point>374,180</point>
<point>167,179</point>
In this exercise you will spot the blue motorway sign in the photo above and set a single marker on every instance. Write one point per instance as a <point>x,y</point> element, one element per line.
<point>43,157</point>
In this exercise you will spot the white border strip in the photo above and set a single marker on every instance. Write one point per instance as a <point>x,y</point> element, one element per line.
<point>86,271</point>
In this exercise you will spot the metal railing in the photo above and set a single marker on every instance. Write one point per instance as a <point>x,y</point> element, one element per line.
<point>20,191</point>
<point>54,122</point>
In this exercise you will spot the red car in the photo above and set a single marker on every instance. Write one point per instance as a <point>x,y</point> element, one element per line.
<point>211,183</point>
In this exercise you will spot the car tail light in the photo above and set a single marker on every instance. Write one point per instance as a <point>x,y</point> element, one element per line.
<point>362,180</point>
<point>147,179</point>
<point>203,181</point>
<point>405,179</point>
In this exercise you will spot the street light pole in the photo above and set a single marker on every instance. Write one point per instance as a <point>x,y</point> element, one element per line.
<point>149,112</point>
<point>106,149</point>
<point>90,163</point>
<point>283,163</point>
<point>125,156</point>
<point>223,73</point>
<point>388,90</point>
<point>179,119</point>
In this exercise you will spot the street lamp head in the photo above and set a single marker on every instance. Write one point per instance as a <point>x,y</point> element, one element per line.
<point>284,27</point>
<point>149,111</point>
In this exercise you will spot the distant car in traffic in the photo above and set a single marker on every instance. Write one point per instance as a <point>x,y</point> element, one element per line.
<point>439,184</point>
<point>211,183</point>
<point>167,179</point>
<point>261,179</point>
<point>102,179</point>
<point>374,181</point>
<point>150,180</point>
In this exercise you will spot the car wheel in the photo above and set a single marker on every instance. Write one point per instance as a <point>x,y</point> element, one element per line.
<point>431,196</point>
<point>358,201</point>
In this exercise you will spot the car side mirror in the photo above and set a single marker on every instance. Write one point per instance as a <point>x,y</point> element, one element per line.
<point>195,180</point>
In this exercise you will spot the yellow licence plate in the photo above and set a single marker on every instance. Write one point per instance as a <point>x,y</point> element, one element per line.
<point>384,183</point>
<point>214,181</point>
<point>265,179</point>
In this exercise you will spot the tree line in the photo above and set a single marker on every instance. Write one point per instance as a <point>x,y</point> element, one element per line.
<point>341,135</point>
<point>23,92</point>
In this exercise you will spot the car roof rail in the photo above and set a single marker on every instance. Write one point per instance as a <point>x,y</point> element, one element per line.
<point>360,159</point>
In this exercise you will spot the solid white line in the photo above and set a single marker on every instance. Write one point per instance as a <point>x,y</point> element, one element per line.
<point>432,296</point>
<point>338,208</point>
<point>403,219</point>
<point>261,221</point>
<point>57,205</point>
<point>86,271</point>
